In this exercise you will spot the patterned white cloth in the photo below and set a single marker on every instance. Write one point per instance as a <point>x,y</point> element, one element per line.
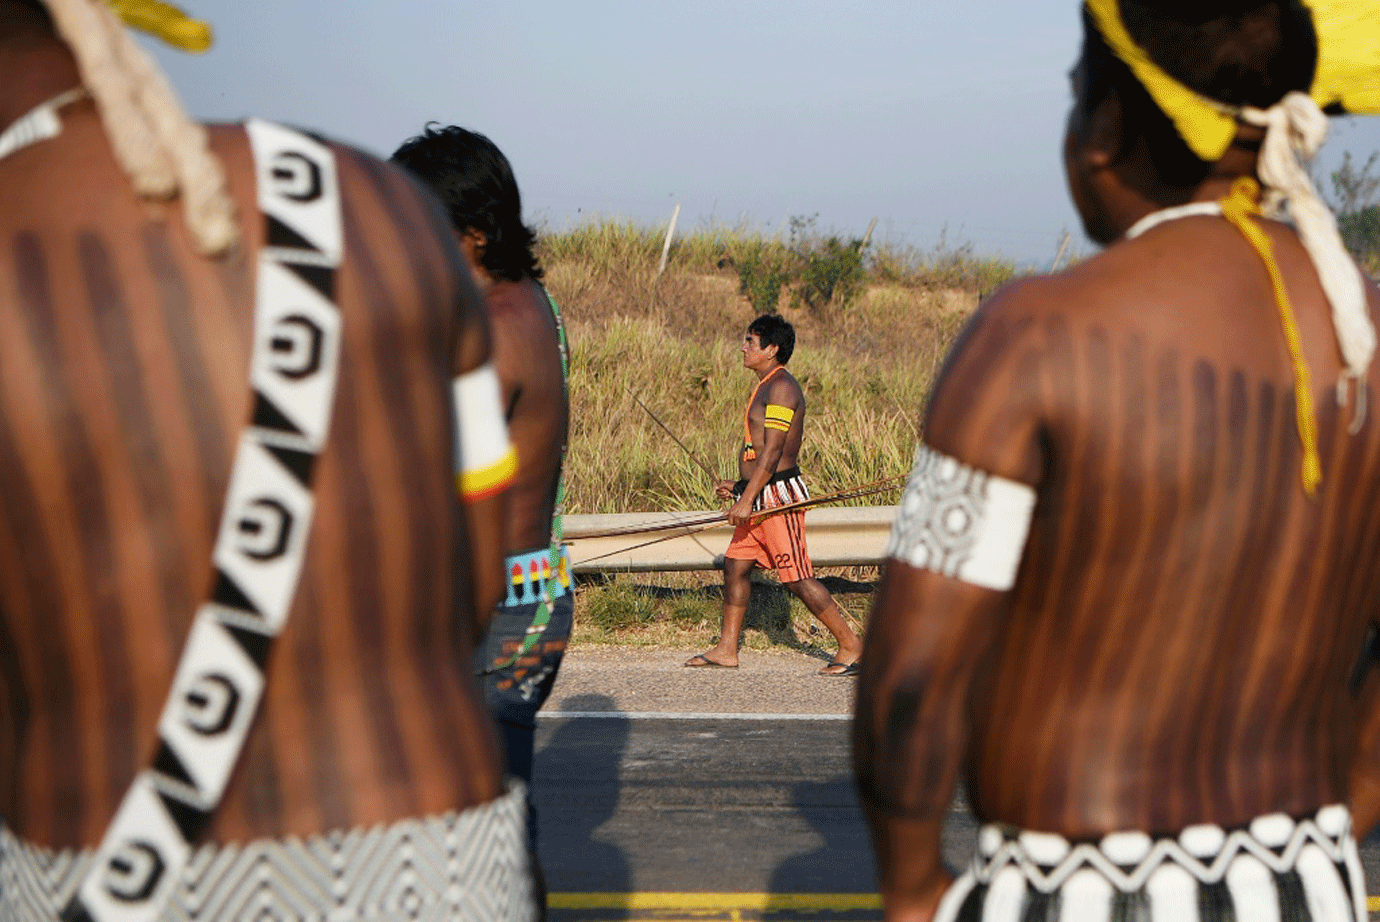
<point>471,866</point>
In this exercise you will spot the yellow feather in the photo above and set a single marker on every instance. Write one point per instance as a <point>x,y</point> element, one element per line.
<point>1348,54</point>
<point>164,21</point>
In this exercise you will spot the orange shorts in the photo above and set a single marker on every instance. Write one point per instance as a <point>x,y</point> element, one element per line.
<point>778,542</point>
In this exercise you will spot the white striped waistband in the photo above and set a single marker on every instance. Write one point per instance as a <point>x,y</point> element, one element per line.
<point>784,488</point>
<point>1250,872</point>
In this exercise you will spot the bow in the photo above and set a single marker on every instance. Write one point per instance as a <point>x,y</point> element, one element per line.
<point>681,527</point>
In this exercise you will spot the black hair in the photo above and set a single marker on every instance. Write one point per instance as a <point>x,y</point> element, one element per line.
<point>1237,52</point>
<point>37,6</point>
<point>774,330</point>
<point>475,183</point>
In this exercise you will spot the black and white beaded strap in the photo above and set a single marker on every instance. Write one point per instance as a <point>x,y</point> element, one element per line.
<point>259,548</point>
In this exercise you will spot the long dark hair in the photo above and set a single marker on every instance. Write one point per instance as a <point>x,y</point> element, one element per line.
<point>475,183</point>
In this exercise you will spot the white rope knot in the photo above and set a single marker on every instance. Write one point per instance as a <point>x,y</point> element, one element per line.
<point>1294,130</point>
<point>162,151</point>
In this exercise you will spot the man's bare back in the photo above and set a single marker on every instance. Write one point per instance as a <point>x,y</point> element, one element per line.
<point>122,392</point>
<point>521,649</point>
<point>527,356</point>
<point>1145,671</point>
<point>1143,675</point>
<point>1120,607</point>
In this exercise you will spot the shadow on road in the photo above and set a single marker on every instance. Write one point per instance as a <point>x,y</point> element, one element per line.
<point>838,866</point>
<point>576,788</point>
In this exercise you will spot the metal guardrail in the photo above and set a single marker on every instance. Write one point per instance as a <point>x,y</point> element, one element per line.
<point>837,537</point>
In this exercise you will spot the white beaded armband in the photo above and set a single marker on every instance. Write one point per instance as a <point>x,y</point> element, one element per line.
<point>962,522</point>
<point>486,460</point>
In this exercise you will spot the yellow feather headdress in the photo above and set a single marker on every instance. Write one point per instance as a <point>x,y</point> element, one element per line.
<point>1347,77</point>
<point>164,21</point>
<point>1348,72</point>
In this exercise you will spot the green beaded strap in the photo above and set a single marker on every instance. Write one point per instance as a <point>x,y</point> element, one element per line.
<point>542,616</point>
<point>558,510</point>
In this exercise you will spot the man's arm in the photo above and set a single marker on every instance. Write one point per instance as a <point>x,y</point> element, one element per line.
<point>486,462</point>
<point>462,348</point>
<point>940,611</point>
<point>926,639</point>
<point>779,393</point>
<point>1364,783</point>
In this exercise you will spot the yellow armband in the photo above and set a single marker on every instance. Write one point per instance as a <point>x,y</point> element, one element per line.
<point>485,460</point>
<point>779,417</point>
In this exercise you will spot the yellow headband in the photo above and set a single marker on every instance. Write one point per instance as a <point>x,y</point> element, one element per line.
<point>165,22</point>
<point>1348,72</point>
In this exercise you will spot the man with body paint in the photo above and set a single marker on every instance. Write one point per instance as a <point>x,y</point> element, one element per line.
<point>773,429</point>
<point>1133,578</point>
<point>227,456</point>
<point>527,633</point>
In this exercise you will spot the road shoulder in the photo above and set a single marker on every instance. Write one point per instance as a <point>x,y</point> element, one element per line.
<point>640,680</point>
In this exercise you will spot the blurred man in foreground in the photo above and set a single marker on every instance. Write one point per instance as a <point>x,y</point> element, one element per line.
<point>1133,573</point>
<point>527,634</point>
<point>184,544</point>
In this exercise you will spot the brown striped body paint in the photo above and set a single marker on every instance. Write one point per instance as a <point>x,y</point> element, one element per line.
<point>123,385</point>
<point>1183,640</point>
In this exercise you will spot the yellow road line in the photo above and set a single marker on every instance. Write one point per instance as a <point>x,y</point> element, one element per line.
<point>726,902</point>
<point>722,902</point>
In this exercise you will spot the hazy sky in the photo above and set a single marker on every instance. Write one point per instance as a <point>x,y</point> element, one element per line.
<point>931,115</point>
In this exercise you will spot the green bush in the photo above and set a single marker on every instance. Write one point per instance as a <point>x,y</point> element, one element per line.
<point>1361,232</point>
<point>831,273</point>
<point>764,267</point>
<point>1355,190</point>
<point>617,606</point>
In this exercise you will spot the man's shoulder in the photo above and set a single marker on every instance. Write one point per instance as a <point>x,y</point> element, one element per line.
<point>394,232</point>
<point>355,168</point>
<point>1114,287</point>
<point>782,387</point>
<point>518,302</point>
<point>520,317</point>
<point>1080,288</point>
<point>526,345</point>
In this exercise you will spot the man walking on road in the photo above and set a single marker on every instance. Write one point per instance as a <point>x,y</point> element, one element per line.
<point>1135,568</point>
<point>773,427</point>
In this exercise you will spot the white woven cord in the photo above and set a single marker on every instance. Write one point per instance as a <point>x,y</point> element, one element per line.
<point>163,152</point>
<point>1294,130</point>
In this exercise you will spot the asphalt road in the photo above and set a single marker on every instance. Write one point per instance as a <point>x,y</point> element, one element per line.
<point>699,805</point>
<point>726,809</point>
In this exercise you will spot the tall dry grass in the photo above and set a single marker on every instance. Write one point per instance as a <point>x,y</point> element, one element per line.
<point>672,342</point>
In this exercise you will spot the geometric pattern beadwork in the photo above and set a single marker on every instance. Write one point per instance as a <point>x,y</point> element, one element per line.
<point>1127,860</point>
<point>454,866</point>
<point>961,522</point>
<point>1274,869</point>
